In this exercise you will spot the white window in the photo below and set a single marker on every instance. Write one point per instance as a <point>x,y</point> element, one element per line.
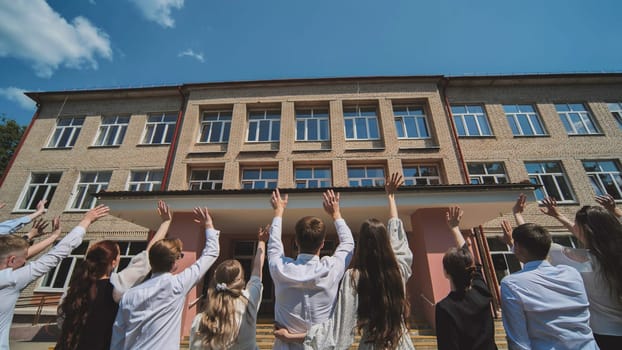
<point>313,177</point>
<point>129,249</point>
<point>365,176</point>
<point>215,126</point>
<point>264,125</point>
<point>576,119</point>
<point>616,112</point>
<point>487,173</point>
<point>112,131</point>
<point>159,128</point>
<point>145,180</point>
<point>41,186</point>
<point>361,123</point>
<point>605,177</point>
<point>89,184</point>
<point>312,125</point>
<point>411,122</point>
<point>421,175</point>
<point>524,121</point>
<point>66,132</point>
<point>471,120</point>
<point>551,176</point>
<point>503,260</point>
<point>259,178</point>
<point>206,179</point>
<point>58,278</point>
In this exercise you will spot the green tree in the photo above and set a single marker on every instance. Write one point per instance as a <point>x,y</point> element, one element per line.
<point>10,134</point>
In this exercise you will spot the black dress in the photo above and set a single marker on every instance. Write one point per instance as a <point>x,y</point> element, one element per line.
<point>97,331</point>
<point>464,320</point>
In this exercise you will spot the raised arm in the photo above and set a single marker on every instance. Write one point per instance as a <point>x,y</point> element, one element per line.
<point>391,185</point>
<point>10,226</point>
<point>453,216</point>
<point>609,203</point>
<point>550,209</point>
<point>48,241</point>
<point>275,245</point>
<point>260,255</point>
<point>345,249</point>
<point>40,210</point>
<point>165,213</point>
<point>507,233</point>
<point>518,209</point>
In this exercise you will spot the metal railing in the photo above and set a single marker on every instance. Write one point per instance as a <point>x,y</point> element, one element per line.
<point>38,302</point>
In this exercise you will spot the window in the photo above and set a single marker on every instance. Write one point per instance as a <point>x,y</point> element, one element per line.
<point>215,126</point>
<point>264,125</point>
<point>41,186</point>
<point>259,178</point>
<point>313,177</point>
<point>159,129</point>
<point>366,176</point>
<point>576,119</point>
<point>487,173</point>
<point>312,125</point>
<point>471,120</point>
<point>421,175</point>
<point>58,277</point>
<point>524,120</point>
<point>145,180</point>
<point>112,131</point>
<point>410,122</point>
<point>605,177</point>
<point>551,176</point>
<point>89,184</point>
<point>361,123</point>
<point>616,112</point>
<point>129,249</point>
<point>244,252</point>
<point>206,179</point>
<point>66,132</point>
<point>503,260</point>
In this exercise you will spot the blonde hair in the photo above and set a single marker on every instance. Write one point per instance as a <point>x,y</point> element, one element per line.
<point>164,253</point>
<point>10,244</point>
<point>219,328</point>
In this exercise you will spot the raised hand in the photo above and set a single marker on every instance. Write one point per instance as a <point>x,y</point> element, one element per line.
<point>263,233</point>
<point>392,183</point>
<point>453,216</point>
<point>203,218</point>
<point>2,205</point>
<point>164,211</point>
<point>520,204</point>
<point>38,226</point>
<point>606,201</point>
<point>507,233</point>
<point>331,204</point>
<point>278,203</point>
<point>94,214</point>
<point>550,207</point>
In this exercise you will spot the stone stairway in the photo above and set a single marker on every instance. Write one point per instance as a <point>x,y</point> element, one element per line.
<point>422,335</point>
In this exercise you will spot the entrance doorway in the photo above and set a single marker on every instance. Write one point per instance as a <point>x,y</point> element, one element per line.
<point>244,251</point>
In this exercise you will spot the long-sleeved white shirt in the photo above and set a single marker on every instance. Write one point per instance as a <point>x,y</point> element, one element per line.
<point>149,315</point>
<point>13,281</point>
<point>306,287</point>
<point>10,226</point>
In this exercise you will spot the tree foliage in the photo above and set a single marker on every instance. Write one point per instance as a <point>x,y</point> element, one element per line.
<point>10,134</point>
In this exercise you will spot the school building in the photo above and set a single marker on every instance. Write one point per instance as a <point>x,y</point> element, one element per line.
<point>473,141</point>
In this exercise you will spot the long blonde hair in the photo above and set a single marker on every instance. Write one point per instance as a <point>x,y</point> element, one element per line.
<point>219,328</point>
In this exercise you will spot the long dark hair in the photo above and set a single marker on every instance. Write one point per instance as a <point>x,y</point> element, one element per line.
<point>602,234</point>
<point>458,263</point>
<point>83,290</point>
<point>383,306</point>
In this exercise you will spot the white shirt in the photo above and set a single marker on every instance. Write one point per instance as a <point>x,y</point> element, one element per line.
<point>13,281</point>
<point>149,315</point>
<point>245,316</point>
<point>306,288</point>
<point>10,226</point>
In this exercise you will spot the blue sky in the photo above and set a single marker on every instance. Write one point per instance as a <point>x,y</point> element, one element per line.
<point>86,44</point>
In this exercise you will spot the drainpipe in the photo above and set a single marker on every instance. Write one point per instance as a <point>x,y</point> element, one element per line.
<point>454,132</point>
<point>168,167</point>
<point>489,269</point>
<point>22,140</point>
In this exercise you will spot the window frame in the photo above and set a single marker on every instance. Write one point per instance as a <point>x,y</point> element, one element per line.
<point>169,128</point>
<point>60,130</point>
<point>532,118</point>
<point>461,119</point>
<point>416,118</point>
<point>104,129</point>
<point>76,258</point>
<point>213,182</point>
<point>80,197</point>
<point>316,117</point>
<point>486,174</point>
<point>376,181</point>
<point>322,182</point>
<point>536,179</point>
<point>583,115</point>
<point>616,112</point>
<point>413,180</point>
<point>270,115</point>
<point>51,187</point>
<point>223,120</point>
<point>154,185</point>
<point>597,182</point>
<point>268,181</point>
<point>358,115</point>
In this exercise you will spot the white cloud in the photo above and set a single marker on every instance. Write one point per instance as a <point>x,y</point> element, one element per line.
<point>190,53</point>
<point>17,95</point>
<point>159,11</point>
<point>31,30</point>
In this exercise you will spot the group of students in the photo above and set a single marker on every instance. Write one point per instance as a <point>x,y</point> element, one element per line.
<point>324,302</point>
